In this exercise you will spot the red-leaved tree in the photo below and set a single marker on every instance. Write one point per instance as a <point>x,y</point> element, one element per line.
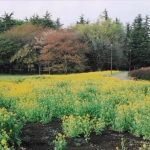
<point>63,52</point>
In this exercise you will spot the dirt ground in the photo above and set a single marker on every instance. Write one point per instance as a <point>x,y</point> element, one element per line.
<point>36,136</point>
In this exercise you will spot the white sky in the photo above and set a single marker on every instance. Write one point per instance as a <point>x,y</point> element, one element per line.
<point>69,11</point>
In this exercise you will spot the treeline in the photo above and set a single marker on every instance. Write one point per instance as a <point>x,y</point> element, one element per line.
<point>40,44</point>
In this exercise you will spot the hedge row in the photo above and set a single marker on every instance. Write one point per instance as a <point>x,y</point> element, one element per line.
<point>143,73</point>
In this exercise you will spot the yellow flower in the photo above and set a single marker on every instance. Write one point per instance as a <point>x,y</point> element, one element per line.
<point>3,141</point>
<point>144,145</point>
<point>5,147</point>
<point>59,134</point>
<point>117,148</point>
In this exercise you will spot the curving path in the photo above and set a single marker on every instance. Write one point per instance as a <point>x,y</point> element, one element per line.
<point>122,76</point>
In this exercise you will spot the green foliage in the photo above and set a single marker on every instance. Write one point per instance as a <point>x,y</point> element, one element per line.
<point>45,22</point>
<point>82,20</point>
<point>75,126</point>
<point>60,142</point>
<point>7,49</point>
<point>77,144</point>
<point>85,102</point>
<point>10,129</point>
<point>26,56</point>
<point>58,24</point>
<point>139,42</point>
<point>6,22</point>
<point>100,35</point>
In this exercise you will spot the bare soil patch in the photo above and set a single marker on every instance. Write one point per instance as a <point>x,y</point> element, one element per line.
<point>36,136</point>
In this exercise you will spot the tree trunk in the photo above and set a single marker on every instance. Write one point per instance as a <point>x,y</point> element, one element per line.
<point>66,69</point>
<point>12,69</point>
<point>39,68</point>
<point>49,70</point>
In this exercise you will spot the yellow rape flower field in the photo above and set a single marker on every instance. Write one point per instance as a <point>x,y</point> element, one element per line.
<point>85,102</point>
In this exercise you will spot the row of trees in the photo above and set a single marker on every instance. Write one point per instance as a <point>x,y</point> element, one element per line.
<point>138,42</point>
<point>41,44</point>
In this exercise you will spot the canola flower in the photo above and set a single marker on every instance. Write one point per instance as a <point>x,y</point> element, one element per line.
<point>3,141</point>
<point>144,146</point>
<point>82,98</point>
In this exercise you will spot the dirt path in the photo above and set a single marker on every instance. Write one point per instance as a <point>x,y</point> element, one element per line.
<point>122,76</point>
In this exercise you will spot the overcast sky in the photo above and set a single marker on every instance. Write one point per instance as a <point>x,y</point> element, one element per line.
<point>69,11</point>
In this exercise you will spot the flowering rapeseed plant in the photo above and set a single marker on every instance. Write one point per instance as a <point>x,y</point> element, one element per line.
<point>121,105</point>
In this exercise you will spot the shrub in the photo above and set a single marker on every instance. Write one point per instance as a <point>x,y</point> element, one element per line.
<point>9,129</point>
<point>143,73</point>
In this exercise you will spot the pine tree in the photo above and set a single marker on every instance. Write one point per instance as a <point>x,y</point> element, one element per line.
<point>45,21</point>
<point>58,23</point>
<point>82,20</point>
<point>136,41</point>
<point>140,42</point>
<point>6,22</point>
<point>105,14</point>
<point>127,46</point>
<point>146,43</point>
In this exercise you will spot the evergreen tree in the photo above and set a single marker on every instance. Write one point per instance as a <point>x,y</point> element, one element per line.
<point>7,49</point>
<point>45,21</point>
<point>6,22</point>
<point>117,20</point>
<point>139,42</point>
<point>105,14</point>
<point>82,20</point>
<point>58,23</point>
<point>127,46</point>
<point>146,43</point>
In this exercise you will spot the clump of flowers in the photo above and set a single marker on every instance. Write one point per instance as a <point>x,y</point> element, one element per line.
<point>74,126</point>
<point>4,138</point>
<point>60,142</point>
<point>9,129</point>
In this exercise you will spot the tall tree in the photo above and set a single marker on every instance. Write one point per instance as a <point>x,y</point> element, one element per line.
<point>105,14</point>
<point>82,20</point>
<point>58,24</point>
<point>100,35</point>
<point>25,35</point>
<point>140,42</point>
<point>25,57</point>
<point>127,46</point>
<point>7,49</point>
<point>146,43</point>
<point>63,52</point>
<point>45,21</point>
<point>6,22</point>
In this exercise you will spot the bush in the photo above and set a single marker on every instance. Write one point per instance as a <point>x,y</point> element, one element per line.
<point>10,128</point>
<point>143,73</point>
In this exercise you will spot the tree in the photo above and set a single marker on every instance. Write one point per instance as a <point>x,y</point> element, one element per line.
<point>23,33</point>
<point>139,41</point>
<point>105,14</point>
<point>100,35</point>
<point>58,24</point>
<point>146,43</point>
<point>7,49</point>
<point>27,54</point>
<point>63,52</point>
<point>127,46</point>
<point>45,21</point>
<point>82,20</point>
<point>6,22</point>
